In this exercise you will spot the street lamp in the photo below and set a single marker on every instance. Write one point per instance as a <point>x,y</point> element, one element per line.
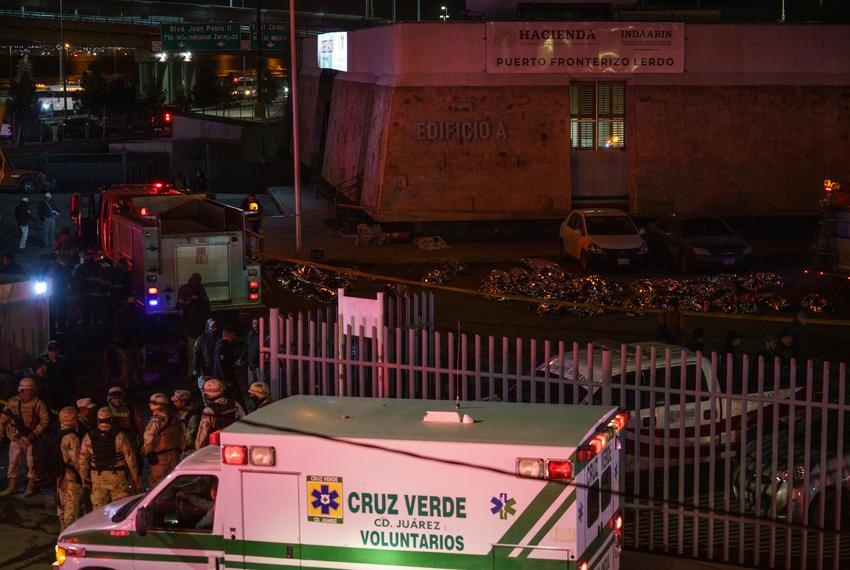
<point>444,13</point>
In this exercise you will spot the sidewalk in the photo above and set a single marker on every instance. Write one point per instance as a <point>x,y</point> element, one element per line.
<point>316,234</point>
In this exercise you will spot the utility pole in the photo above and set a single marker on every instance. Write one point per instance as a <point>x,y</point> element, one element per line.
<point>293,76</point>
<point>62,48</point>
<point>259,106</point>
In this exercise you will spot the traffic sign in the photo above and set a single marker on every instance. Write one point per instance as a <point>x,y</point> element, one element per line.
<point>275,36</point>
<point>187,37</point>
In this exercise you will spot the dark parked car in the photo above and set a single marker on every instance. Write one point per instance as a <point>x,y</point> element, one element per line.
<point>790,478</point>
<point>75,128</point>
<point>698,242</point>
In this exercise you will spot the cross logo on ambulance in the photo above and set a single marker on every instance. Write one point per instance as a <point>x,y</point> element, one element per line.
<point>503,505</point>
<point>324,499</point>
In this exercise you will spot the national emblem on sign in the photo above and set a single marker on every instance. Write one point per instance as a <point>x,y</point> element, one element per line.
<point>324,499</point>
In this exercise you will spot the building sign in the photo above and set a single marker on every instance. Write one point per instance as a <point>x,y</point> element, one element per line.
<point>275,36</point>
<point>570,47</point>
<point>460,130</point>
<point>333,51</point>
<point>188,37</point>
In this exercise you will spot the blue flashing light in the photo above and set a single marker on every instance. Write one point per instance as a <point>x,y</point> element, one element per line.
<point>153,302</point>
<point>40,287</point>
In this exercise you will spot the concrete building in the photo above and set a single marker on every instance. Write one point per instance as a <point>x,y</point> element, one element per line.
<point>525,120</point>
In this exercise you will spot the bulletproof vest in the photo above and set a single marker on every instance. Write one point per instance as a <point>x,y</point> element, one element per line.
<point>104,454</point>
<point>224,411</point>
<point>169,437</point>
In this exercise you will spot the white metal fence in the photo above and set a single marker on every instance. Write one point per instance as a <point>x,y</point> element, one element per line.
<point>729,458</point>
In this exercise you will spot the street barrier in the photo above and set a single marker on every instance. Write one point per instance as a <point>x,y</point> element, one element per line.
<point>730,458</point>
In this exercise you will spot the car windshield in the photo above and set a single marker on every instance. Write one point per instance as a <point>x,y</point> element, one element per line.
<point>704,227</point>
<point>610,226</point>
<point>122,513</point>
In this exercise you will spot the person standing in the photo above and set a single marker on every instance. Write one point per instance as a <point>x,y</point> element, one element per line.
<point>128,326</point>
<point>201,182</point>
<point>89,281</point>
<point>798,334</point>
<point>106,458</point>
<point>260,395</point>
<point>163,439</point>
<point>58,380</point>
<point>24,418</point>
<point>23,217</point>
<point>69,486</point>
<point>195,314</point>
<point>86,416</point>
<point>252,206</point>
<point>671,324</point>
<point>697,341</point>
<point>219,412</point>
<point>225,365</point>
<point>193,285</point>
<point>250,355</point>
<point>127,419</point>
<point>203,353</point>
<point>65,248</point>
<point>189,417</point>
<point>48,215</point>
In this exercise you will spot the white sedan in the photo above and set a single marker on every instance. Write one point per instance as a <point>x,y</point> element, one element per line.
<point>602,237</point>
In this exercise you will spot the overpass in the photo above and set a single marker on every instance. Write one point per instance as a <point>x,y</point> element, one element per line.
<point>135,24</point>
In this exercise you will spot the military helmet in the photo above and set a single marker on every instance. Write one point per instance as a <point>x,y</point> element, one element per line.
<point>104,414</point>
<point>213,388</point>
<point>158,400</point>
<point>259,390</point>
<point>27,384</point>
<point>184,395</point>
<point>68,416</point>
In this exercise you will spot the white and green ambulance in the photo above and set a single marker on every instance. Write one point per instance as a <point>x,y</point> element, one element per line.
<point>362,484</point>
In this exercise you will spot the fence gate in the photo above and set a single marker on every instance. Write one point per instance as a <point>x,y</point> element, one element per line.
<point>732,459</point>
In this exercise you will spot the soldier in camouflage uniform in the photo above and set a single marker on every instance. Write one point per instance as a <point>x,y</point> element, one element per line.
<point>219,413</point>
<point>127,419</point>
<point>163,439</point>
<point>106,458</point>
<point>70,485</point>
<point>23,420</point>
<point>189,417</point>
<point>259,394</point>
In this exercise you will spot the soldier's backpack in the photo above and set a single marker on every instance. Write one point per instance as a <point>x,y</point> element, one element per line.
<point>47,454</point>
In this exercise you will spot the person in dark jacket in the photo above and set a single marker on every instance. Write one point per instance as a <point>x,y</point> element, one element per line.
<point>250,355</point>
<point>697,341</point>
<point>23,217</point>
<point>194,285</point>
<point>128,329</point>
<point>203,363</point>
<point>194,321</point>
<point>251,205</point>
<point>54,373</point>
<point>225,365</point>
<point>48,214</point>
<point>798,334</point>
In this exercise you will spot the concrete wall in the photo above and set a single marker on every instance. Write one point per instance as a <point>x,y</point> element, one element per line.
<point>348,131</point>
<point>736,151</point>
<point>468,153</point>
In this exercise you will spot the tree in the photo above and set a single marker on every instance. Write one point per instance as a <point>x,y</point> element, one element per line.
<point>207,90</point>
<point>94,94</point>
<point>23,102</point>
<point>120,98</point>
